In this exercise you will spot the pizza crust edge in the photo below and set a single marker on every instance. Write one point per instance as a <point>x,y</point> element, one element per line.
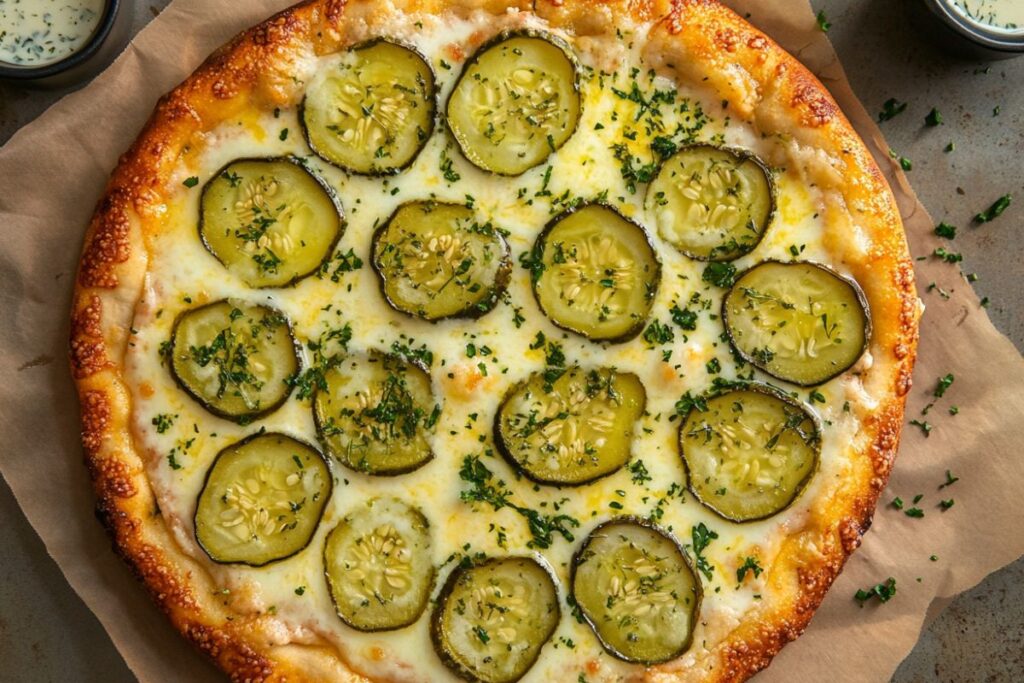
<point>760,80</point>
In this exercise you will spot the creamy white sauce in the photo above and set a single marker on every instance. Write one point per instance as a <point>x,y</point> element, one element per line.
<point>40,32</point>
<point>181,267</point>
<point>1006,15</point>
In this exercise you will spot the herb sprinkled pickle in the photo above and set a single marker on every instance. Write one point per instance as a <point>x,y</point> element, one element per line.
<point>635,588</point>
<point>801,322</point>
<point>573,430</point>
<point>374,111</point>
<point>595,273</point>
<point>376,413</point>
<point>516,102</point>
<point>493,617</point>
<point>234,358</point>
<point>711,203</point>
<point>378,565</point>
<point>437,261</point>
<point>262,500</point>
<point>270,222</point>
<point>749,452</point>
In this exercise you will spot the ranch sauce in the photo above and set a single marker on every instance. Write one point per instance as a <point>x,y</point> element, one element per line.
<point>40,32</point>
<point>1003,15</point>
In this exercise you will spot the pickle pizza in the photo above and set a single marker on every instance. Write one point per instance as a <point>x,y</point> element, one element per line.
<point>493,342</point>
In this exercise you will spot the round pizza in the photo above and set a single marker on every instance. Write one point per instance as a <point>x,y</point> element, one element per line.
<point>427,340</point>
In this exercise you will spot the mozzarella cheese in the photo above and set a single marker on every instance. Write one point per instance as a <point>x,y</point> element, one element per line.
<point>182,274</point>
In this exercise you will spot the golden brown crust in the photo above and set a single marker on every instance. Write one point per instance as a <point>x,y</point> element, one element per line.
<point>698,39</point>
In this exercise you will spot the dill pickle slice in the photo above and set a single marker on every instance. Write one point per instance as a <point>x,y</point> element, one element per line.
<point>493,617</point>
<point>270,222</point>
<point>596,273</point>
<point>750,454</point>
<point>712,203</point>
<point>262,500</point>
<point>636,590</point>
<point>234,358</point>
<point>375,414</point>
<point>378,565</point>
<point>516,102</point>
<point>436,261</point>
<point>374,111</point>
<point>573,430</point>
<point>801,322</point>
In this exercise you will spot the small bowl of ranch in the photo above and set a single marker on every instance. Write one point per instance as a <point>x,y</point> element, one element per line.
<point>59,42</point>
<point>992,29</point>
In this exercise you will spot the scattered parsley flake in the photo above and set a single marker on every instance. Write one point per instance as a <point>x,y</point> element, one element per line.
<point>702,537</point>
<point>191,181</point>
<point>823,23</point>
<point>945,230</point>
<point>925,426</point>
<point>891,109</point>
<point>998,207</point>
<point>945,382</point>
<point>934,118</point>
<point>883,591</point>
<point>749,565</point>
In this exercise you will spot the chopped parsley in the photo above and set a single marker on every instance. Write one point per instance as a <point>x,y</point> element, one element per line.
<point>749,565</point>
<point>994,211</point>
<point>823,23</point>
<point>948,256</point>
<point>702,537</point>
<point>883,591</point>
<point>163,422</point>
<point>891,109</point>
<point>925,426</point>
<point>719,273</point>
<point>485,489</point>
<point>191,181</point>
<point>945,230</point>
<point>945,382</point>
<point>934,118</point>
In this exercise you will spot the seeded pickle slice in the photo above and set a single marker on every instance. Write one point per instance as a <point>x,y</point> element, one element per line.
<point>711,203</point>
<point>437,261</point>
<point>595,273</point>
<point>378,565</point>
<point>750,454</point>
<point>262,500</point>
<point>493,617</point>
<point>573,430</point>
<point>269,221</point>
<point>234,358</point>
<point>800,322</point>
<point>374,111</point>
<point>516,102</point>
<point>376,413</point>
<point>636,589</point>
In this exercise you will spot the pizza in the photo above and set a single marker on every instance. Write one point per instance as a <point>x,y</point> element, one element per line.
<point>426,340</point>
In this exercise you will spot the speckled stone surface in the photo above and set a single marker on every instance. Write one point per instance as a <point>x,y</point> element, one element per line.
<point>47,634</point>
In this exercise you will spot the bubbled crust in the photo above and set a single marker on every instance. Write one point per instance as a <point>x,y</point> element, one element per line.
<point>696,40</point>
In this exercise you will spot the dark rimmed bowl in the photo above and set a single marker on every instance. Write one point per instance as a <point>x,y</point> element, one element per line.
<point>964,37</point>
<point>106,42</point>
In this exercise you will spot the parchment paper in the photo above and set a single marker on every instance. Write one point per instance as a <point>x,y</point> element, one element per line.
<point>53,171</point>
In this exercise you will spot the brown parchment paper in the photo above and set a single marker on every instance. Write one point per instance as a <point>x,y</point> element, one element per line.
<point>52,172</point>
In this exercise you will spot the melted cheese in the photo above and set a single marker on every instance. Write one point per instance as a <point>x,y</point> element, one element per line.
<point>183,274</point>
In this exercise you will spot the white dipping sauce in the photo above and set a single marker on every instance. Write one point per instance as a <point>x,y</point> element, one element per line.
<point>39,32</point>
<point>1007,15</point>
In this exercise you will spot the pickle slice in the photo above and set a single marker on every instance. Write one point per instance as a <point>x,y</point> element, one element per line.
<point>234,358</point>
<point>376,413</point>
<point>800,322</point>
<point>516,102</point>
<point>262,500</point>
<point>436,261</point>
<point>378,565</point>
<point>636,589</point>
<point>492,618</point>
<point>374,112</point>
<point>571,431</point>
<point>269,221</point>
<point>750,454</point>
<point>711,203</point>
<point>598,273</point>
